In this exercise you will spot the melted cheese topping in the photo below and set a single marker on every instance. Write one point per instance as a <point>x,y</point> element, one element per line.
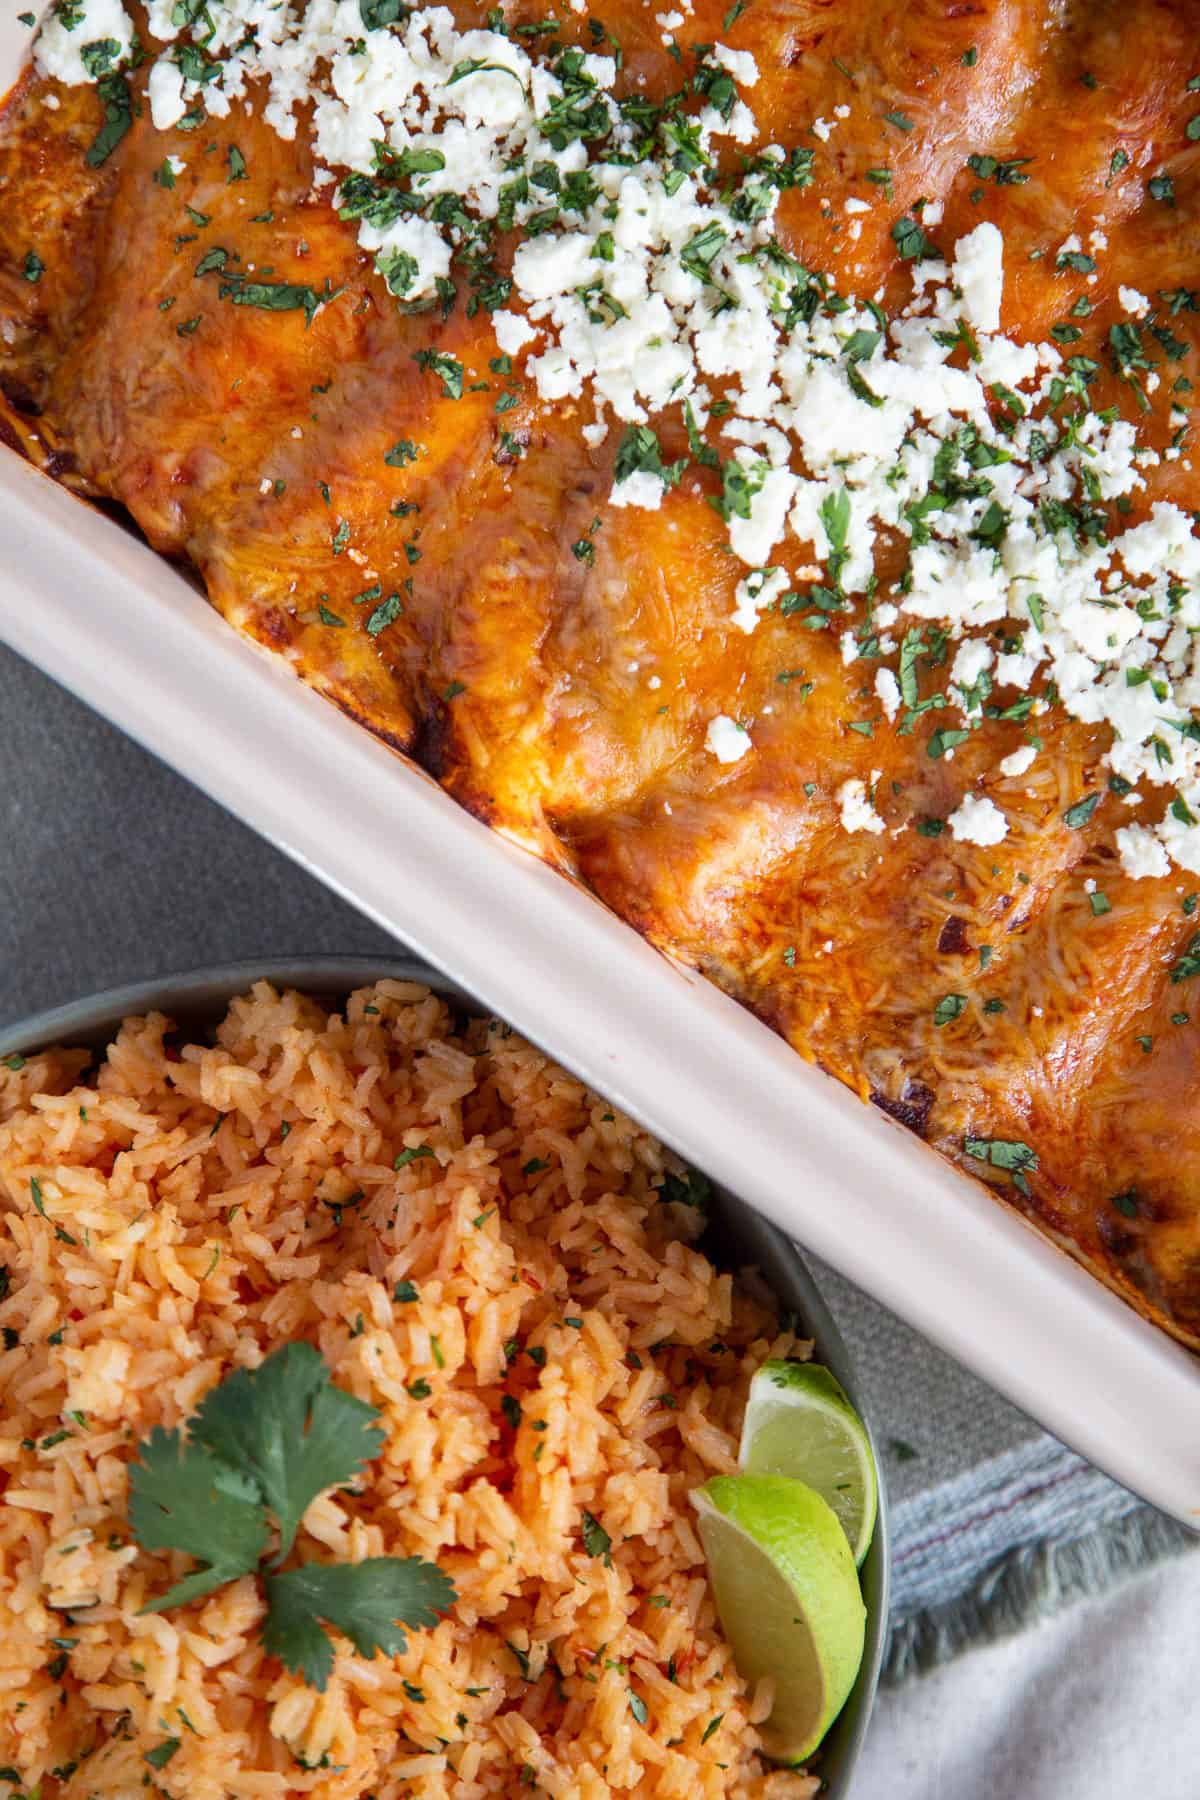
<point>657,279</point>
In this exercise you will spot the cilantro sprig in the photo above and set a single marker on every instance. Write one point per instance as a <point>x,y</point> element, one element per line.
<point>261,1445</point>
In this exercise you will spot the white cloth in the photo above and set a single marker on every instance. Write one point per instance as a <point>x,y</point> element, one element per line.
<point>1097,1702</point>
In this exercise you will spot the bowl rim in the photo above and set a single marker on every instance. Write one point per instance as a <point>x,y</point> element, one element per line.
<point>195,992</point>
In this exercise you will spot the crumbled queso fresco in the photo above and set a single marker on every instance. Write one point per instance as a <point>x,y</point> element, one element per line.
<point>642,278</point>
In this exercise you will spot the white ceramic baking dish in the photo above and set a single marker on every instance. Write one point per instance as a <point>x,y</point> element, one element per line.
<point>119,627</point>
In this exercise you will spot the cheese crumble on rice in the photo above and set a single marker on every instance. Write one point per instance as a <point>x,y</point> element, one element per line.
<point>197,1206</point>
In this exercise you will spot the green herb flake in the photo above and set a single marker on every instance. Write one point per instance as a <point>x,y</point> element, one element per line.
<point>910,239</point>
<point>1078,815</point>
<point>1188,964</point>
<point>596,1540</point>
<point>407,1156</point>
<point>117,101</point>
<point>385,614</point>
<point>1004,1153</point>
<point>1010,173</point>
<point>639,453</point>
<point>949,1008</point>
<point>447,368</point>
<point>160,1756</point>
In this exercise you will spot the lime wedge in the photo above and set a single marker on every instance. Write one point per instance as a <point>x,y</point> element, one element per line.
<point>799,1422</point>
<point>788,1595</point>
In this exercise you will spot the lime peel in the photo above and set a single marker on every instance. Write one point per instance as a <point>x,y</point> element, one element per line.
<point>800,1423</point>
<point>789,1600</point>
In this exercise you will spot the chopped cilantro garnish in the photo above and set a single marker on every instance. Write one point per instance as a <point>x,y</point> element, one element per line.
<point>1078,815</point>
<point>271,296</point>
<point>385,614</point>
<point>596,1540</point>
<point>1004,1153</point>
<point>160,1756</point>
<point>689,1189</point>
<point>118,117</point>
<point>910,239</point>
<point>1188,964</point>
<point>446,367</point>
<point>400,454</point>
<point>1010,173</point>
<point>98,57</point>
<point>639,453</point>
<point>407,1156</point>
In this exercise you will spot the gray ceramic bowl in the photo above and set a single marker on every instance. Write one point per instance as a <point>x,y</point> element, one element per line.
<point>736,1236</point>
